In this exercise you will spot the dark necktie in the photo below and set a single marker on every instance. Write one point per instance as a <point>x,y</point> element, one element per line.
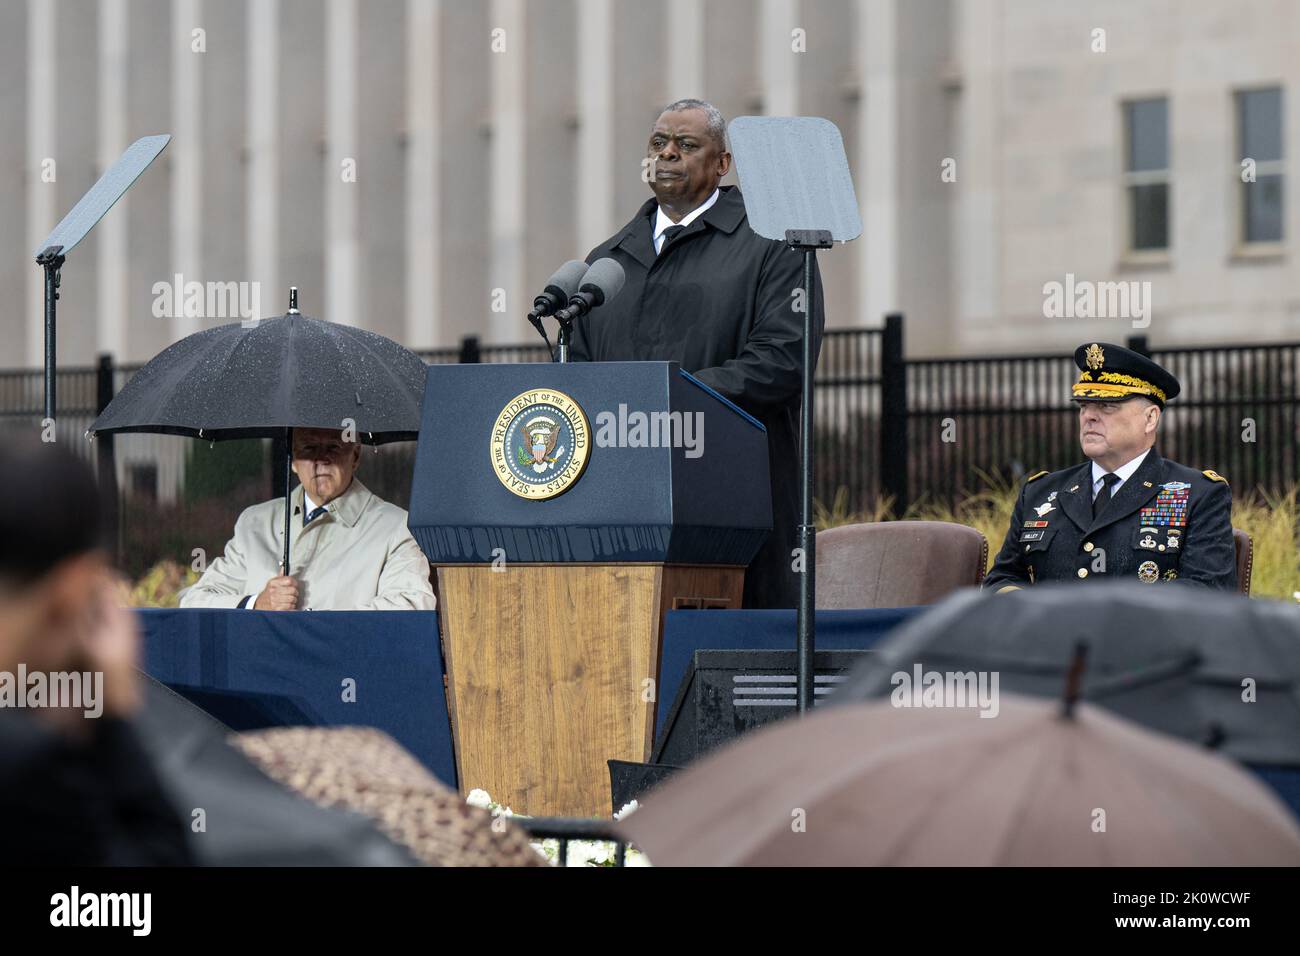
<point>315,513</point>
<point>669,234</point>
<point>1103,496</point>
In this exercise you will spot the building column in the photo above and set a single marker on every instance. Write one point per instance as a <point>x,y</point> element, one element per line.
<point>186,150</point>
<point>262,100</point>
<point>878,146</point>
<point>342,251</point>
<point>778,63</point>
<point>686,51</point>
<point>508,156</point>
<point>595,124</point>
<point>41,196</point>
<point>423,327</point>
<point>976,251</point>
<point>112,306</point>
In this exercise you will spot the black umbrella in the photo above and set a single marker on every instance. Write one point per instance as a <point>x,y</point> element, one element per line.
<point>261,378</point>
<point>1213,668</point>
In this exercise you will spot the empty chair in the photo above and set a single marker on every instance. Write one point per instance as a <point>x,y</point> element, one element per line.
<point>897,563</point>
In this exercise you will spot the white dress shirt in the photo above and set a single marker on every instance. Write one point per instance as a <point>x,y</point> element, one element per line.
<point>1123,472</point>
<point>662,221</point>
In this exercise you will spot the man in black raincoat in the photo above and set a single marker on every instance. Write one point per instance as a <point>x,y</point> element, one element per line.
<point>704,290</point>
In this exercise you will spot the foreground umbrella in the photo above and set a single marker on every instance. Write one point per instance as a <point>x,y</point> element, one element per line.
<point>260,379</point>
<point>250,820</point>
<point>874,784</point>
<point>367,772</point>
<point>1215,669</point>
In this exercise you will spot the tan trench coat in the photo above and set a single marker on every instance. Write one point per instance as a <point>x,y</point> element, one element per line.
<point>359,556</point>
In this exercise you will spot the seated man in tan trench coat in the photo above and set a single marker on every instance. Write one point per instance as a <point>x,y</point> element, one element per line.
<point>349,549</point>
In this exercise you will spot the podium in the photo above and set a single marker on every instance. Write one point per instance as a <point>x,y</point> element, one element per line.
<point>566,508</point>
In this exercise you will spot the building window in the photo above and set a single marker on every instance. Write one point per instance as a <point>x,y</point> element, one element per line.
<point>1259,145</point>
<point>1146,173</point>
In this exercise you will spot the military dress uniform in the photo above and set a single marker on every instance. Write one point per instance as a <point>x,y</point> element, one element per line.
<point>1166,523</point>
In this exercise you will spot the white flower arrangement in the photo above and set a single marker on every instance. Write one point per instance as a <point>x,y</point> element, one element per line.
<point>581,852</point>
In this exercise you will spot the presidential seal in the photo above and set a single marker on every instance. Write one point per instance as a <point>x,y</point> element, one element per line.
<point>540,444</point>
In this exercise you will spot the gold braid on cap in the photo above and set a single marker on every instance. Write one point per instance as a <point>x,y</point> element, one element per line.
<point>1114,385</point>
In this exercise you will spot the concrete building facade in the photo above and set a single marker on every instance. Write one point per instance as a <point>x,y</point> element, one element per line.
<point>419,167</point>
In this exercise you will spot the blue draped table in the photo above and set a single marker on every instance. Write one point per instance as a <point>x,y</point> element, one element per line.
<point>255,669</point>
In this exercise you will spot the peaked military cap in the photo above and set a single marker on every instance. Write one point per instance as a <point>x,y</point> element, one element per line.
<point>1112,373</point>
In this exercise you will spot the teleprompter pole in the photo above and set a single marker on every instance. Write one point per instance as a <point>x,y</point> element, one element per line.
<point>51,260</point>
<point>807,241</point>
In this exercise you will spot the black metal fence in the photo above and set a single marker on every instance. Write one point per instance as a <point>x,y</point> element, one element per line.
<point>976,420</point>
<point>887,429</point>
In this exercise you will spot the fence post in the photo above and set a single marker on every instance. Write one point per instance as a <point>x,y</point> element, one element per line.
<point>106,456</point>
<point>893,414</point>
<point>469,351</point>
<point>1138,343</point>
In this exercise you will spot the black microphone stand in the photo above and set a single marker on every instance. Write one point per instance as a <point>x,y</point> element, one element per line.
<point>562,339</point>
<point>536,320</point>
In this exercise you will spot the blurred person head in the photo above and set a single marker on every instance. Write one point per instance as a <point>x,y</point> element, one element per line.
<point>688,145</point>
<point>324,462</point>
<point>54,572</point>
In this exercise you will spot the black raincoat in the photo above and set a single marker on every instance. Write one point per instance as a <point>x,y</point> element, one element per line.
<point>720,301</point>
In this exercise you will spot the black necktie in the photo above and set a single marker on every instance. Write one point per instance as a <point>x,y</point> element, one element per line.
<point>668,235</point>
<point>1103,496</point>
<point>315,513</point>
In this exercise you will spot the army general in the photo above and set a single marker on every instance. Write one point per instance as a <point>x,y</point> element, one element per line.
<point>1127,514</point>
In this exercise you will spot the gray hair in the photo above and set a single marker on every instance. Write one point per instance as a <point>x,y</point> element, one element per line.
<point>714,124</point>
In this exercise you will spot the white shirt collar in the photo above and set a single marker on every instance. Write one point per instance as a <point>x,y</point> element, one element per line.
<point>662,221</point>
<point>1124,471</point>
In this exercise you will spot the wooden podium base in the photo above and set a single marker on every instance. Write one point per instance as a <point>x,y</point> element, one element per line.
<point>552,671</point>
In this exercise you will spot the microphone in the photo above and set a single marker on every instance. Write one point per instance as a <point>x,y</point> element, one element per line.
<point>559,289</point>
<point>603,281</point>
